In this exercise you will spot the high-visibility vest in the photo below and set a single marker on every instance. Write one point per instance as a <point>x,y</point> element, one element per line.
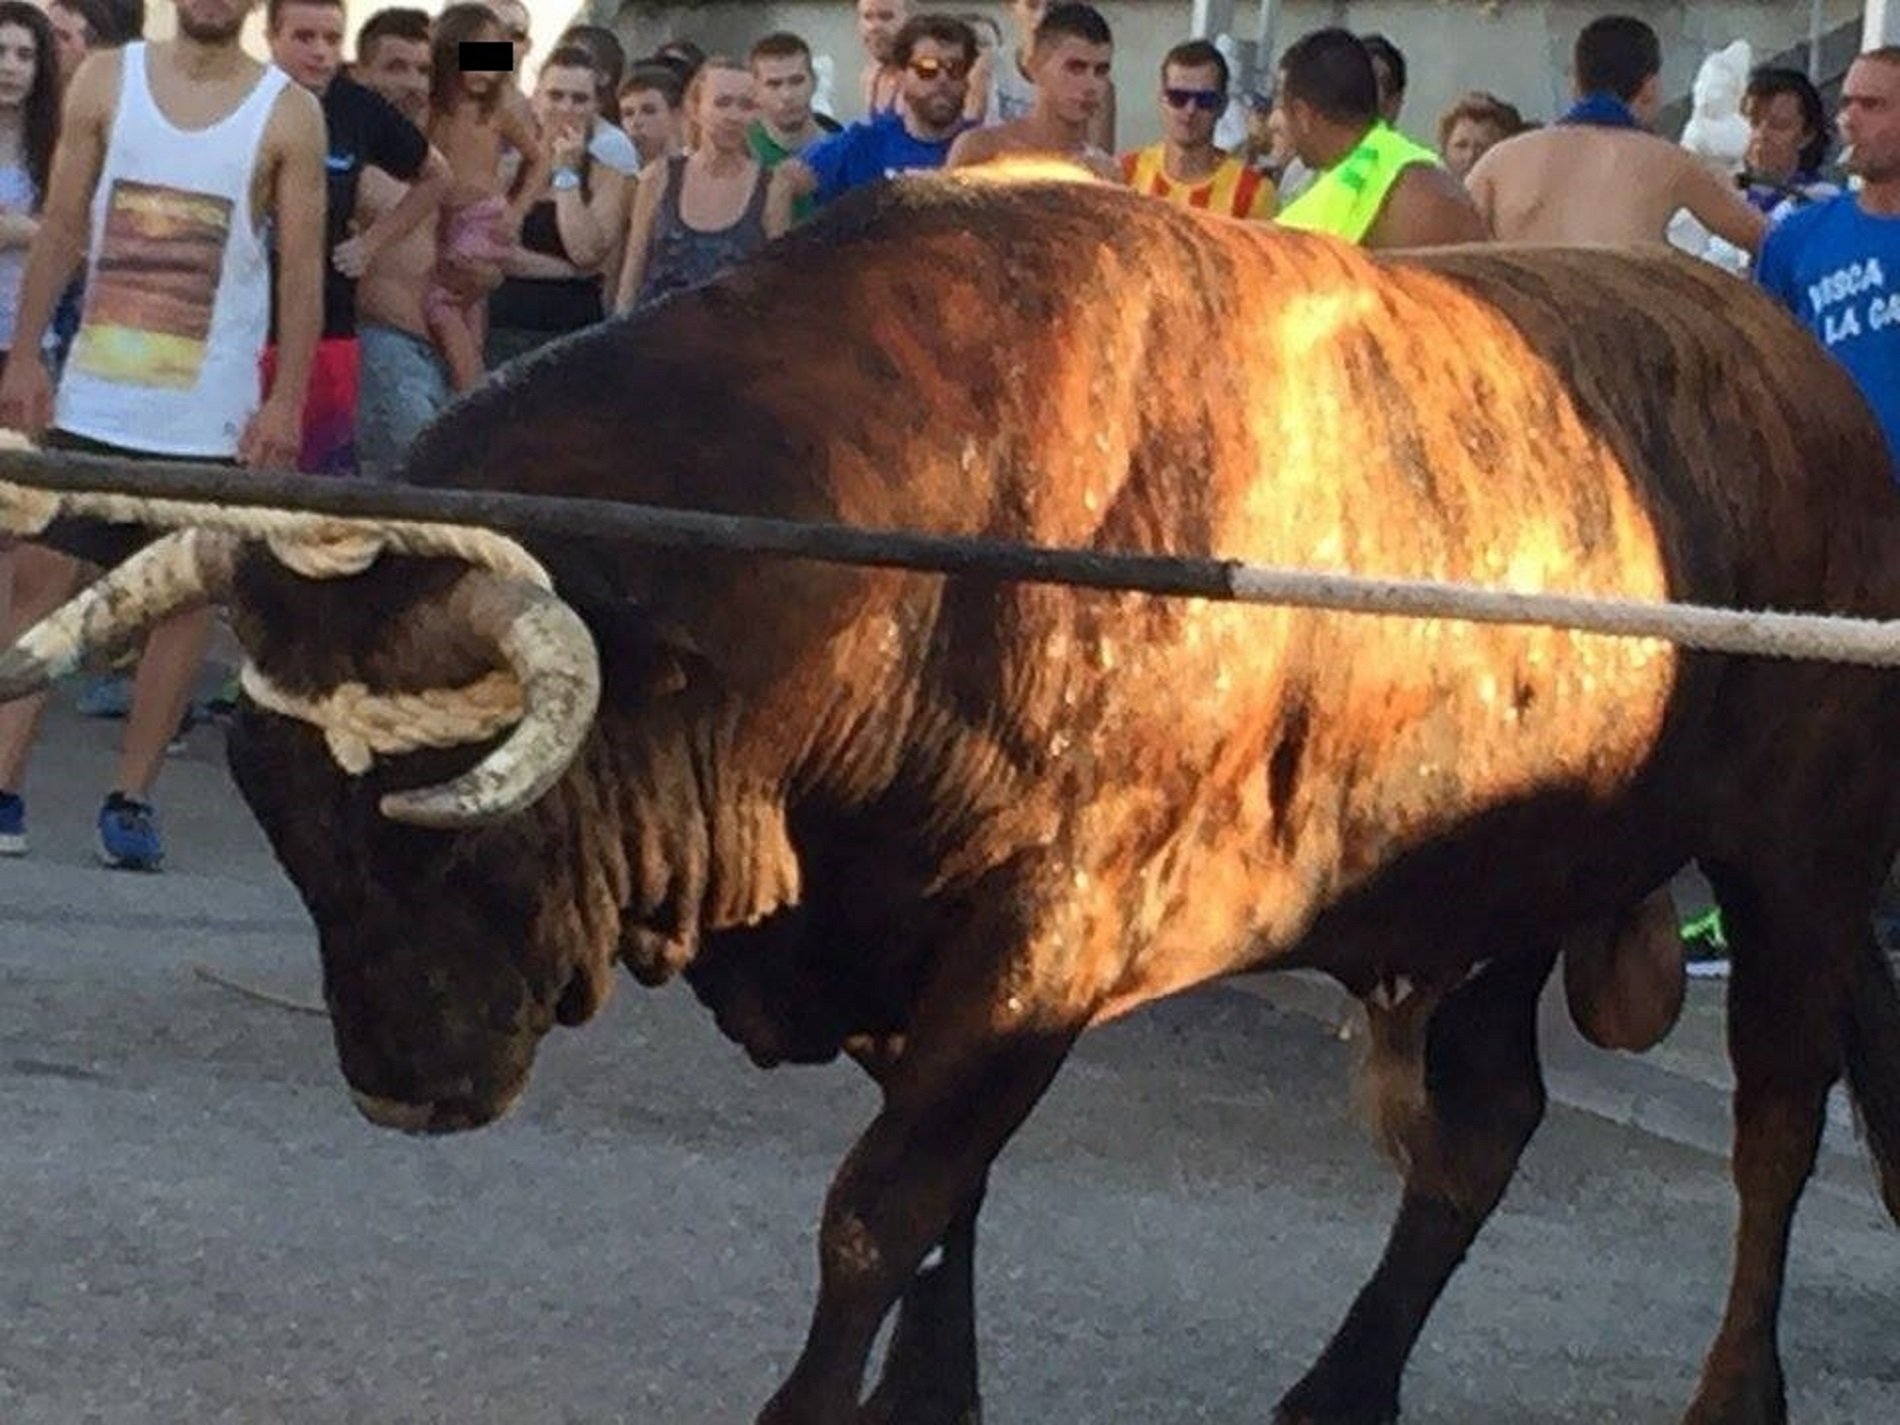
<point>1345,200</point>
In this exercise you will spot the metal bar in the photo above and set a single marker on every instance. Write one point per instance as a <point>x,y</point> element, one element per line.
<point>1744,631</point>
<point>1878,24</point>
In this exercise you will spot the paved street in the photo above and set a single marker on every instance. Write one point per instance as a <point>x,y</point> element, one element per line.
<point>197,1227</point>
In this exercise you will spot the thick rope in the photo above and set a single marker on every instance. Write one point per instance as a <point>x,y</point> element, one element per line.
<point>359,724</point>
<point>315,546</point>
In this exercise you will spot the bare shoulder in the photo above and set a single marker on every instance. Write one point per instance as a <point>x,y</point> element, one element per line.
<point>94,90</point>
<point>975,146</point>
<point>296,122</point>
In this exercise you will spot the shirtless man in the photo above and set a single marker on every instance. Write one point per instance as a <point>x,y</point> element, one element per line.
<point>1070,59</point>
<point>1374,186</point>
<point>1598,174</point>
<point>405,382</point>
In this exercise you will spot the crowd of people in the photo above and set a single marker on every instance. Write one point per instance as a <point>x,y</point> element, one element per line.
<point>301,262</point>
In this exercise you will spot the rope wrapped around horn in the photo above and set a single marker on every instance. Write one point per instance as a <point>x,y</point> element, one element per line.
<point>549,691</point>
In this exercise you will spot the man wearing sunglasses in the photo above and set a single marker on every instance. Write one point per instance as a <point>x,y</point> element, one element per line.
<point>1071,61</point>
<point>1185,167</point>
<point>1375,186</point>
<point>934,54</point>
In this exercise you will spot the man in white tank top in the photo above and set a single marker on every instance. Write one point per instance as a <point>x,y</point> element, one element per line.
<point>171,158</point>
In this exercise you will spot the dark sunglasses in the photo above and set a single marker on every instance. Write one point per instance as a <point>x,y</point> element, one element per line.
<point>1206,100</point>
<point>937,68</point>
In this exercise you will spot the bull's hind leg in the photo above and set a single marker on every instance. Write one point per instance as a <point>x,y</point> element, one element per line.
<point>1784,1027</point>
<point>1459,1141</point>
<point>930,1371</point>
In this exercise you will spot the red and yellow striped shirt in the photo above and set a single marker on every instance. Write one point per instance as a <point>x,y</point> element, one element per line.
<point>1233,188</point>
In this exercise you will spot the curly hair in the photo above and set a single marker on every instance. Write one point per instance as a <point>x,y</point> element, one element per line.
<point>1478,107</point>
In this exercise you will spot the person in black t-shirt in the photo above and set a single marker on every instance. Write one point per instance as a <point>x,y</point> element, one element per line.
<point>364,131</point>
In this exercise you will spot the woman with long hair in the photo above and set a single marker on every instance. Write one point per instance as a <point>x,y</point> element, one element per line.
<point>1788,142</point>
<point>29,127</point>
<point>697,214</point>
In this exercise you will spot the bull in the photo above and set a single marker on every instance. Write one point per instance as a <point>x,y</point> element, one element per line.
<point>946,824</point>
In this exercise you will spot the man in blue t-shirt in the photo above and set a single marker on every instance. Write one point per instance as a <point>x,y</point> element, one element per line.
<point>934,54</point>
<point>1836,265</point>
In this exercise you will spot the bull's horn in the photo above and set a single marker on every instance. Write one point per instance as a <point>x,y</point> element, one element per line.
<point>554,658</point>
<point>173,572</point>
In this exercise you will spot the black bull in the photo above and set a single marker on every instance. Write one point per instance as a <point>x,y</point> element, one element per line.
<point>947,825</point>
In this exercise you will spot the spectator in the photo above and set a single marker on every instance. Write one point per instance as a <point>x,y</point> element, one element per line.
<point>1374,185</point>
<point>363,129</point>
<point>683,57</point>
<point>517,27</point>
<point>882,79</point>
<point>179,380</point>
<point>82,26</point>
<point>1185,167</point>
<point>1071,58</point>
<point>608,144</point>
<point>735,200</point>
<point>553,282</point>
<point>989,45</point>
<point>471,122</point>
<point>935,53</point>
<point>1472,127</point>
<point>392,58</point>
<point>405,382</point>
<point>782,83</point>
<point>1836,264</point>
<point>650,112</point>
<point>1013,82</point>
<point>1388,68</point>
<point>1598,175</point>
<point>29,128</point>
<point>1787,142</point>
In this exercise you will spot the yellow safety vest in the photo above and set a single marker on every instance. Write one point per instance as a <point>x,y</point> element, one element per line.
<point>1345,200</point>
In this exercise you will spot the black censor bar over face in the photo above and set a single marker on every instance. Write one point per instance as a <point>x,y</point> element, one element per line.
<point>485,57</point>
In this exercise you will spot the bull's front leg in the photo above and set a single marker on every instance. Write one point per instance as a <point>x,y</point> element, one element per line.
<point>930,1371</point>
<point>1459,1131</point>
<point>987,1038</point>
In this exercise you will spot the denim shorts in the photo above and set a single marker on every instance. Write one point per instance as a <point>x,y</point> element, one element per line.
<point>404,386</point>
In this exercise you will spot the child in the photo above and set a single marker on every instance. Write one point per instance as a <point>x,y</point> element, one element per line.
<point>474,115</point>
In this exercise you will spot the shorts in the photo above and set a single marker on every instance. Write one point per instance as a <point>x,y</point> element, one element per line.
<point>329,408</point>
<point>92,540</point>
<point>405,386</point>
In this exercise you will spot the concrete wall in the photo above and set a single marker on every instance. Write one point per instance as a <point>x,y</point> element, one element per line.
<point>1518,49</point>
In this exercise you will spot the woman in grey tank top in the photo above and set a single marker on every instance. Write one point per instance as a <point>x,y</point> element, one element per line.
<point>667,253</point>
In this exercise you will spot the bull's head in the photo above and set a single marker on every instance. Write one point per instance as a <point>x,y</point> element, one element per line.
<point>453,921</point>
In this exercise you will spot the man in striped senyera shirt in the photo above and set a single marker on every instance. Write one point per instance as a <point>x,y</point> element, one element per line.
<point>1185,167</point>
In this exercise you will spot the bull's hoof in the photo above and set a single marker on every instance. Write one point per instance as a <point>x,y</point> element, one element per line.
<point>1310,1403</point>
<point>883,1409</point>
<point>1751,1398</point>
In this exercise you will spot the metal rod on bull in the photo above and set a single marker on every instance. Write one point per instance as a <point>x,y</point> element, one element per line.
<point>1742,631</point>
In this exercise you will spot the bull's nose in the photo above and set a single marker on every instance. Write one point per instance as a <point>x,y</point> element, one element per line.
<point>393,1113</point>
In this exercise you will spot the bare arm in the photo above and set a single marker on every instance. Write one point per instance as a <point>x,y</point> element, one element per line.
<point>294,143</point>
<point>589,226</point>
<point>17,229</point>
<point>646,212</point>
<point>796,175</point>
<point>517,126</point>
<point>1427,207</point>
<point>1719,207</point>
<point>396,222</point>
<point>538,266</point>
<point>778,203</point>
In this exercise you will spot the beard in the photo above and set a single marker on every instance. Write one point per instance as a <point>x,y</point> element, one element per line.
<point>210,32</point>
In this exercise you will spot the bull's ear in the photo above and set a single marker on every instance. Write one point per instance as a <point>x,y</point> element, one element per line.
<point>643,657</point>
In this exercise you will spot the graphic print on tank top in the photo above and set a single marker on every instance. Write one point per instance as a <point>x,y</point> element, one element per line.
<point>147,319</point>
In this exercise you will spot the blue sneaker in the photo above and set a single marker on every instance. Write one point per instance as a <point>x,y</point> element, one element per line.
<point>128,834</point>
<point>12,825</point>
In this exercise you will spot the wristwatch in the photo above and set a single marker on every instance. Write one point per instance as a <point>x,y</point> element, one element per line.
<point>564,179</point>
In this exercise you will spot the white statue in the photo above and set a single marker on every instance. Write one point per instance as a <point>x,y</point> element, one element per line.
<point>1718,134</point>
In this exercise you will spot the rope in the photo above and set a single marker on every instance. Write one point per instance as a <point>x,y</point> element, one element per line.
<point>224,981</point>
<point>315,546</point>
<point>359,724</point>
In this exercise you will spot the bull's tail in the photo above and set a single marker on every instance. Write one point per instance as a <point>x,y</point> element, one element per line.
<point>1870,1043</point>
